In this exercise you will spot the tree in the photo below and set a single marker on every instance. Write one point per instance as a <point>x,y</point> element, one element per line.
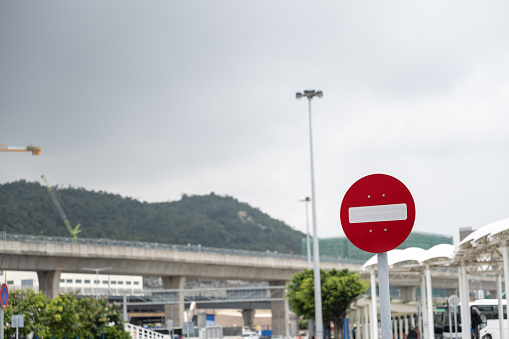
<point>339,288</point>
<point>66,315</point>
<point>28,303</point>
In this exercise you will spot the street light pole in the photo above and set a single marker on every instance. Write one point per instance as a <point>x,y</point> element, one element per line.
<point>97,270</point>
<point>309,94</point>
<point>306,200</point>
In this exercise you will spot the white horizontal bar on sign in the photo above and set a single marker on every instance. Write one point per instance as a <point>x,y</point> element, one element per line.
<point>393,212</point>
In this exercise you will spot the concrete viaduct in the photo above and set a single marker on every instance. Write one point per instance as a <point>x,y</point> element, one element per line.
<point>50,256</point>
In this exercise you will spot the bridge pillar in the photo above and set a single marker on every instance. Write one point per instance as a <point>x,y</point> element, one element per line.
<point>49,283</point>
<point>407,293</point>
<point>454,291</point>
<point>175,311</point>
<point>280,311</point>
<point>294,324</point>
<point>248,317</point>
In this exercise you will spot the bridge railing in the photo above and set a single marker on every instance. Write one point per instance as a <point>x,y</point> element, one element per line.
<point>238,294</point>
<point>159,246</point>
<point>137,332</point>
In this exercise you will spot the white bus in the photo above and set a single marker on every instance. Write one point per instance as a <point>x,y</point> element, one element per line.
<point>484,319</point>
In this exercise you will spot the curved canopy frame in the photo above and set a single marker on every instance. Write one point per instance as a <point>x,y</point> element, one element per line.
<point>484,250</point>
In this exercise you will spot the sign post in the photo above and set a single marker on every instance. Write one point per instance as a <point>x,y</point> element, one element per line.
<point>377,214</point>
<point>18,322</point>
<point>453,304</point>
<point>4,300</point>
<point>169,326</point>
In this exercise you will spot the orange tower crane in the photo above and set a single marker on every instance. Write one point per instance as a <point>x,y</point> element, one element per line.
<point>36,150</point>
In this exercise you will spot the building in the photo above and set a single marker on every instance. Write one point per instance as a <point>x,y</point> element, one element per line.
<point>341,247</point>
<point>85,284</point>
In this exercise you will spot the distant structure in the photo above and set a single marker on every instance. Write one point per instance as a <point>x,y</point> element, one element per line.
<point>84,284</point>
<point>36,150</point>
<point>464,232</point>
<point>343,248</point>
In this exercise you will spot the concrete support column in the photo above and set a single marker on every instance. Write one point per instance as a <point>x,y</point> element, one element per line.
<point>201,319</point>
<point>248,317</point>
<point>423,327</point>
<point>500,306</point>
<point>465,301</point>
<point>294,324</point>
<point>467,296</point>
<point>279,307</point>
<point>452,291</point>
<point>461,294</point>
<point>358,317</point>
<point>505,257</point>
<point>407,329</point>
<point>49,283</point>
<point>175,311</point>
<point>366,322</point>
<point>407,293</point>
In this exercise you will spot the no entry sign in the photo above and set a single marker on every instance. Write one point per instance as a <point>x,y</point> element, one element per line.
<point>377,213</point>
<point>4,296</point>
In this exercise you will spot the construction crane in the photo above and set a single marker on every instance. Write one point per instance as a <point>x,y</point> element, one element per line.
<point>73,231</point>
<point>36,150</point>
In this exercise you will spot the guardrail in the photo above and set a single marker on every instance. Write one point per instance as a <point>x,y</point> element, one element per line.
<point>137,332</point>
<point>168,247</point>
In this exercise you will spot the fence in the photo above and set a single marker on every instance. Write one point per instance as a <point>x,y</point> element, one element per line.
<point>137,332</point>
<point>168,247</point>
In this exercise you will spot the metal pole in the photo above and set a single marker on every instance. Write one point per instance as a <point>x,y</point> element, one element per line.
<point>374,307</point>
<point>385,298</point>
<point>1,323</point>
<point>97,270</point>
<point>307,235</point>
<point>318,286</point>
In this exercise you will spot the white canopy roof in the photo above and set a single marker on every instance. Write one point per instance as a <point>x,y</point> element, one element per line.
<point>481,246</point>
<point>442,253</point>
<point>484,233</point>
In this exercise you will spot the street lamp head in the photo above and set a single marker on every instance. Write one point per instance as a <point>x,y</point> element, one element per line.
<point>309,93</point>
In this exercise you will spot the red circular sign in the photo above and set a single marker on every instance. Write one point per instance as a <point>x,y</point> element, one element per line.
<point>377,213</point>
<point>4,296</point>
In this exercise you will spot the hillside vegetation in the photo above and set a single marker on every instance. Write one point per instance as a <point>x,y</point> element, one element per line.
<point>210,220</point>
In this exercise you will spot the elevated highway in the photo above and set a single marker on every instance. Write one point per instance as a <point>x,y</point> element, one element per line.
<point>50,256</point>
<point>58,254</point>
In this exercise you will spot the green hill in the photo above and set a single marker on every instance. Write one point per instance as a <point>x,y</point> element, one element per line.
<point>210,220</point>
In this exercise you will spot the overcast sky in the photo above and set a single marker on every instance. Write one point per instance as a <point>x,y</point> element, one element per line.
<point>155,99</point>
